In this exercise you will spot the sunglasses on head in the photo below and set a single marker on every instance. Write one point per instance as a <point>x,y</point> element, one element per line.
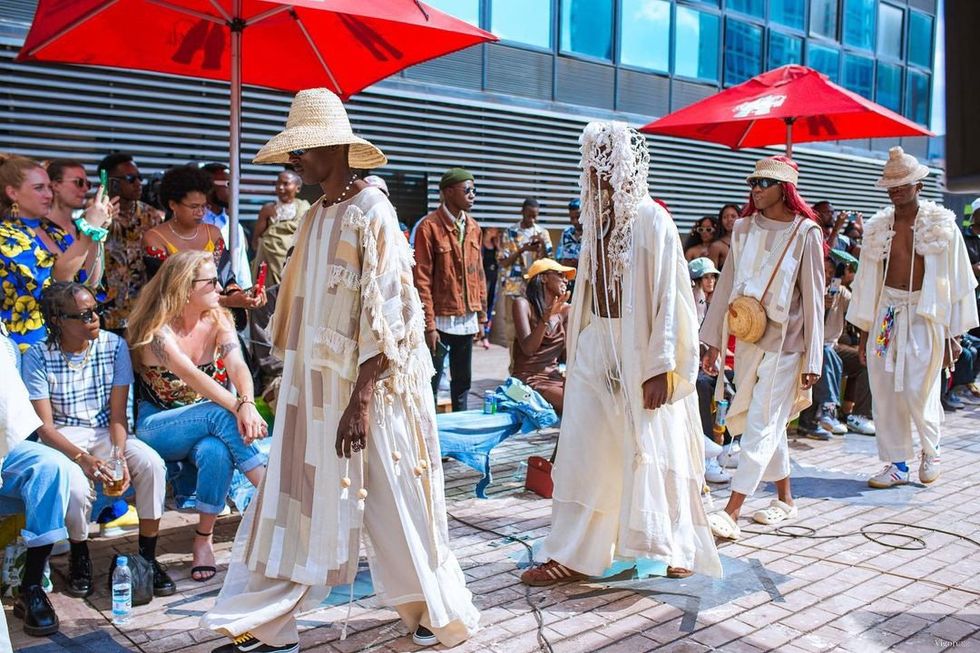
<point>88,316</point>
<point>213,281</point>
<point>128,178</point>
<point>762,182</point>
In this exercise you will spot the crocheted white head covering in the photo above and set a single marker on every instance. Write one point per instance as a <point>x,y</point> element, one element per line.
<point>617,153</point>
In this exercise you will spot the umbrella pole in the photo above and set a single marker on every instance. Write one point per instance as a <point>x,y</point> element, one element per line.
<point>789,136</point>
<point>234,135</point>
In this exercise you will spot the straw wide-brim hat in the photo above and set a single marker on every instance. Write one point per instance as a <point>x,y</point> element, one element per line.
<point>901,169</point>
<point>317,118</point>
<point>771,168</point>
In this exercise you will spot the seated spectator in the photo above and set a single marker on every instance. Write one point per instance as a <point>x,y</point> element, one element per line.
<point>276,227</point>
<point>964,389</point>
<point>727,216</point>
<point>540,317</point>
<point>69,187</point>
<point>35,484</point>
<point>184,192</point>
<point>185,349</point>
<point>35,251</point>
<point>841,361</point>
<point>699,242</point>
<point>704,276</point>
<point>78,380</point>
<point>219,196</point>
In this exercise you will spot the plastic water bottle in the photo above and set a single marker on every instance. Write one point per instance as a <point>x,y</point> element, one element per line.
<point>520,474</point>
<point>122,592</point>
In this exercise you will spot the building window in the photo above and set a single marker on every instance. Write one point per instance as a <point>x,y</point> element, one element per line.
<point>888,91</point>
<point>859,23</point>
<point>755,8</point>
<point>823,18</point>
<point>890,31</point>
<point>523,21</point>
<point>859,75</point>
<point>696,42</point>
<point>784,49</point>
<point>824,59</point>
<point>791,13</point>
<point>920,39</point>
<point>645,34</point>
<point>468,10</point>
<point>586,27</point>
<point>743,51</point>
<point>917,105</point>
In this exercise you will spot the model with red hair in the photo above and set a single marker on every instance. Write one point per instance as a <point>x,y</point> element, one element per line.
<point>776,259</point>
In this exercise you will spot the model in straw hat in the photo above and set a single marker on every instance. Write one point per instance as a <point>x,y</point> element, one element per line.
<point>355,447</point>
<point>770,297</point>
<point>913,296</point>
<point>630,465</point>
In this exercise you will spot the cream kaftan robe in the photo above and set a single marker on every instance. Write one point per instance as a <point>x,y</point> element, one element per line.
<point>628,480</point>
<point>905,380</point>
<point>347,296</point>
<point>768,391</point>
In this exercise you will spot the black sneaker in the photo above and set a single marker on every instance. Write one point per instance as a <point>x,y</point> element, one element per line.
<point>424,637</point>
<point>163,585</point>
<point>248,644</point>
<point>34,607</point>
<point>79,575</point>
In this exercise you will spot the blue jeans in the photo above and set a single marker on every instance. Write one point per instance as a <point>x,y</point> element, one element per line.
<point>35,482</point>
<point>827,388</point>
<point>206,435</point>
<point>966,368</point>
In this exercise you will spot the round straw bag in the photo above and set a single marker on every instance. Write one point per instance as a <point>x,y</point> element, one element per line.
<point>747,317</point>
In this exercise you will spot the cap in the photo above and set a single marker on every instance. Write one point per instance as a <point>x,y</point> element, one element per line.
<point>546,265</point>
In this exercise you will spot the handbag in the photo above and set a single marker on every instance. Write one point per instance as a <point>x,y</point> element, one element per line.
<point>141,571</point>
<point>747,317</point>
<point>538,479</point>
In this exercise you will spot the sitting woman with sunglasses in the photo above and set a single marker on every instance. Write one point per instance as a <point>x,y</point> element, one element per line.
<point>185,350</point>
<point>701,238</point>
<point>184,190</point>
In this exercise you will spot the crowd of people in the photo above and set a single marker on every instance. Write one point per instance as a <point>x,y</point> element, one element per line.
<point>142,340</point>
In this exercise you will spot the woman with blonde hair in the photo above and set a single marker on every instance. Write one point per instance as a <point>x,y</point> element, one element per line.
<point>185,350</point>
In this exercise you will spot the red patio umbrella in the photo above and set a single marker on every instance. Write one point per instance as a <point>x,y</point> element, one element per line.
<point>791,103</point>
<point>343,45</point>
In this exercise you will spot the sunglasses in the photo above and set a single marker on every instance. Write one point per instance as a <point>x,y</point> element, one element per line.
<point>80,182</point>
<point>128,178</point>
<point>195,208</point>
<point>705,230</point>
<point>89,316</point>
<point>213,281</point>
<point>470,191</point>
<point>224,183</point>
<point>762,183</point>
<point>297,153</point>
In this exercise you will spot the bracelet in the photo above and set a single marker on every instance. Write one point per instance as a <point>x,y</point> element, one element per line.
<point>98,234</point>
<point>77,456</point>
<point>242,403</point>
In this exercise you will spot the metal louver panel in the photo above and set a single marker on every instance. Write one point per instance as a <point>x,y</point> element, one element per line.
<point>462,69</point>
<point>686,93</point>
<point>519,72</point>
<point>643,93</point>
<point>514,151</point>
<point>585,83</point>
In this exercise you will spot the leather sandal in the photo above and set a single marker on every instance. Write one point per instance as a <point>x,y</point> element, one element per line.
<point>210,570</point>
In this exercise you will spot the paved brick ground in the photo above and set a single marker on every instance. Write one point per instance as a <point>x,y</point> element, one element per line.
<point>820,593</point>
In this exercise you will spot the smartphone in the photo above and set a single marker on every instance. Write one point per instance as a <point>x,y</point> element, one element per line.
<point>113,188</point>
<point>260,279</point>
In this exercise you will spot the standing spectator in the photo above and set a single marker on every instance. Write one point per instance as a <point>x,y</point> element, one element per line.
<point>78,380</point>
<point>276,227</point>
<point>520,246</point>
<point>701,238</point>
<point>832,222</point>
<point>218,199</point>
<point>491,242</point>
<point>185,350</point>
<point>450,281</point>
<point>35,250</point>
<point>69,185</point>
<point>571,238</point>
<point>727,216</point>
<point>35,484</point>
<point>971,236</point>
<point>125,272</point>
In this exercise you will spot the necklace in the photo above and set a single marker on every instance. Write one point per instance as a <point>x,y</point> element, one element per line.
<point>341,197</point>
<point>193,236</point>
<point>81,364</point>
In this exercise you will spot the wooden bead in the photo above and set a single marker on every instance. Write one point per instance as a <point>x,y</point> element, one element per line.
<point>362,493</point>
<point>418,470</point>
<point>424,464</point>
<point>345,482</point>
<point>396,456</point>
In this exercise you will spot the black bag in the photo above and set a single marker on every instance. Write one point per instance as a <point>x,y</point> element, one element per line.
<point>141,571</point>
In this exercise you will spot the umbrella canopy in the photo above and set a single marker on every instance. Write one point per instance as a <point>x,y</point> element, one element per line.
<point>343,45</point>
<point>789,104</point>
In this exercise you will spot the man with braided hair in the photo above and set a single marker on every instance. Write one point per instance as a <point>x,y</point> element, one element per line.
<point>631,411</point>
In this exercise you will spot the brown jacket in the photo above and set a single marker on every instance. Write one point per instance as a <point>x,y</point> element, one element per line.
<point>442,268</point>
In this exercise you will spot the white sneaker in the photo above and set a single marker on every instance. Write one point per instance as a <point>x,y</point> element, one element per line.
<point>861,424</point>
<point>713,472</point>
<point>711,448</point>
<point>729,457</point>
<point>828,420</point>
<point>928,468</point>
<point>888,477</point>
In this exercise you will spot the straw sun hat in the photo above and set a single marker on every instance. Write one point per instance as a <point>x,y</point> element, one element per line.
<point>317,118</point>
<point>901,169</point>
<point>773,168</point>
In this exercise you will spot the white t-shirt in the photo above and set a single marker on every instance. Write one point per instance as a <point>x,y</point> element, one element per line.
<point>17,417</point>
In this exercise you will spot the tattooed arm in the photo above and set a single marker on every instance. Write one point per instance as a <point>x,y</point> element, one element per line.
<point>164,351</point>
<point>250,424</point>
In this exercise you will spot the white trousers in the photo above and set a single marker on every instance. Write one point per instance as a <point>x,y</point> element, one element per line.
<point>765,451</point>
<point>905,381</point>
<point>147,472</point>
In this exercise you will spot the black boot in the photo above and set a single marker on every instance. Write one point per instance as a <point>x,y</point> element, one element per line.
<point>79,574</point>
<point>163,585</point>
<point>34,607</point>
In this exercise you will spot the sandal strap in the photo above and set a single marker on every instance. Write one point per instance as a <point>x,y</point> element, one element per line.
<point>200,534</point>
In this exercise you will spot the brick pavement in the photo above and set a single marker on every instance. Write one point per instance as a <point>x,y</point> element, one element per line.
<point>779,594</point>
